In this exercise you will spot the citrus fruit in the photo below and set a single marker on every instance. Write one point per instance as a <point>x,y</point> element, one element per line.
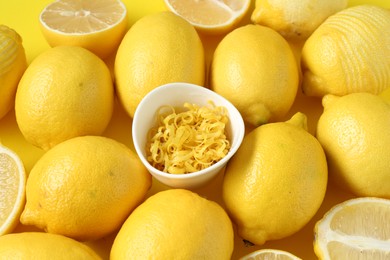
<point>357,228</point>
<point>66,91</point>
<point>210,16</point>
<point>354,131</point>
<point>97,25</point>
<point>12,189</point>
<point>295,19</point>
<point>175,224</point>
<point>254,68</point>
<point>84,188</point>
<point>348,53</point>
<point>13,63</point>
<point>159,48</point>
<point>267,181</point>
<point>39,245</point>
<point>372,2</point>
<point>269,254</point>
<point>385,94</point>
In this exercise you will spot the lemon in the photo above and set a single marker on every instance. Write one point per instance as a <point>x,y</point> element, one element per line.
<point>159,48</point>
<point>276,181</point>
<point>12,189</point>
<point>210,16</point>
<point>372,2</point>
<point>66,91</point>
<point>13,63</point>
<point>348,53</point>
<point>270,254</point>
<point>84,188</point>
<point>385,94</point>
<point>38,245</point>
<point>175,224</point>
<point>254,68</point>
<point>295,19</point>
<point>357,228</point>
<point>355,132</point>
<point>97,25</point>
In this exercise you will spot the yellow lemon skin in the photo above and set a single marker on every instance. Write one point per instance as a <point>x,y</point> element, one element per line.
<point>385,94</point>
<point>39,245</point>
<point>85,188</point>
<point>255,69</point>
<point>175,224</point>
<point>67,91</point>
<point>276,181</point>
<point>348,53</point>
<point>295,19</point>
<point>159,48</point>
<point>355,133</point>
<point>13,63</point>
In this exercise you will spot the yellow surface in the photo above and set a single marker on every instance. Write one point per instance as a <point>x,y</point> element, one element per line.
<point>22,15</point>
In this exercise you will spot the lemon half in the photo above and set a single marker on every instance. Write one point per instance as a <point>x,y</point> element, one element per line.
<point>97,25</point>
<point>210,16</point>
<point>358,228</point>
<point>12,187</point>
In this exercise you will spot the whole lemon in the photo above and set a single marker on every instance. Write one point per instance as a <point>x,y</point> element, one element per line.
<point>355,133</point>
<point>175,224</point>
<point>295,19</point>
<point>39,245</point>
<point>348,53</point>
<point>13,63</point>
<point>159,48</point>
<point>67,91</point>
<point>255,69</point>
<point>85,188</point>
<point>276,181</point>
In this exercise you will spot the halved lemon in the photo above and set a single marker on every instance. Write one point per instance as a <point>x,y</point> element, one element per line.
<point>270,254</point>
<point>97,25</point>
<point>210,16</point>
<point>358,228</point>
<point>12,189</point>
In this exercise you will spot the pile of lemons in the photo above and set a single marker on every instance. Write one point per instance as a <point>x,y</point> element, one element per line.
<point>86,186</point>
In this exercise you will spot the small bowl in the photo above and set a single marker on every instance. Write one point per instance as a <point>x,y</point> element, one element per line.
<point>176,94</point>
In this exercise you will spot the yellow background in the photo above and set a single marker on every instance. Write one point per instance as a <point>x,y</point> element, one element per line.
<point>22,16</point>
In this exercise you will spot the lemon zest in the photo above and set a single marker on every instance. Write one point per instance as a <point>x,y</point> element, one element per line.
<point>188,141</point>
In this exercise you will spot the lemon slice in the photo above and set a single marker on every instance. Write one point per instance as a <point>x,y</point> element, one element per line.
<point>355,229</point>
<point>97,25</point>
<point>12,189</point>
<point>269,254</point>
<point>210,16</point>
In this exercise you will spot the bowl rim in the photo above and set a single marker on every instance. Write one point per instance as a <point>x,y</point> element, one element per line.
<point>232,109</point>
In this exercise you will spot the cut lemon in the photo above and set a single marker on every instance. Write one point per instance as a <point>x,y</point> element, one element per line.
<point>270,254</point>
<point>12,189</point>
<point>210,16</point>
<point>358,228</point>
<point>97,25</point>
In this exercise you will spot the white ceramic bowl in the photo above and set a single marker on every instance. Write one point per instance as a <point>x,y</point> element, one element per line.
<point>176,94</point>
